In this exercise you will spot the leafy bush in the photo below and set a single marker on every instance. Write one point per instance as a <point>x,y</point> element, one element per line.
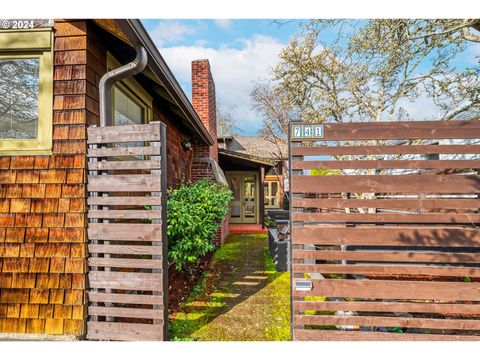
<point>268,221</point>
<point>194,213</point>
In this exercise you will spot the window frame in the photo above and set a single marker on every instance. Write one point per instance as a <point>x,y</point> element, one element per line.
<point>268,194</point>
<point>32,44</point>
<point>133,90</point>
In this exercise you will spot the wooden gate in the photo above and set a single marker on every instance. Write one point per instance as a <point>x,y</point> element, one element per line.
<point>385,238</point>
<point>126,235</point>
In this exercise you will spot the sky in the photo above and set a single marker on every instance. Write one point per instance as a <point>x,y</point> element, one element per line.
<point>242,52</point>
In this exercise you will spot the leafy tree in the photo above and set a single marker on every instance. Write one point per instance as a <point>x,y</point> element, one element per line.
<point>367,70</point>
<point>226,125</point>
<point>364,70</point>
<point>270,104</point>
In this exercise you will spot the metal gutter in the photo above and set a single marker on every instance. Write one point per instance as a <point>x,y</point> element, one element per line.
<point>110,78</point>
<point>134,29</point>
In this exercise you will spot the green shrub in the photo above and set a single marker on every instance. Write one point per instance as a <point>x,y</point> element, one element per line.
<point>268,221</point>
<point>194,213</point>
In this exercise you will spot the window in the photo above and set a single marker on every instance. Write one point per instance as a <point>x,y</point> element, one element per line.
<point>272,194</point>
<point>127,111</point>
<point>26,96</point>
<point>131,103</point>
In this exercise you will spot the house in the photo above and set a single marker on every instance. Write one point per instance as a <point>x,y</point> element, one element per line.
<point>255,168</point>
<point>50,75</point>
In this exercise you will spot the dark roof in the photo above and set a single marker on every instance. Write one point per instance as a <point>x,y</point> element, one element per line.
<point>257,146</point>
<point>246,157</point>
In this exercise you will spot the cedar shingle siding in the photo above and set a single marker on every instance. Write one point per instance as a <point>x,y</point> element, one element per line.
<point>42,220</point>
<point>43,240</point>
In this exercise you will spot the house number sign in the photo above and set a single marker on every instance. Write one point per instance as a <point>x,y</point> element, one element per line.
<point>307,131</point>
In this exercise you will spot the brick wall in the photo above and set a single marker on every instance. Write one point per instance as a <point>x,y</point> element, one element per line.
<point>179,160</point>
<point>42,220</point>
<point>204,101</point>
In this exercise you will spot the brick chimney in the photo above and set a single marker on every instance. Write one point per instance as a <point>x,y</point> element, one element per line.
<point>203,100</point>
<point>205,160</point>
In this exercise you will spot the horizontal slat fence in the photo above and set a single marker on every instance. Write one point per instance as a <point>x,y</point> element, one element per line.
<point>385,228</point>
<point>126,232</point>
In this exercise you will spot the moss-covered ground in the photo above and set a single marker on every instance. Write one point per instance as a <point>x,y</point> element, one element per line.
<point>240,297</point>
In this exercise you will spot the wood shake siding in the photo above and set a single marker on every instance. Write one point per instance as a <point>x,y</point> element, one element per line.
<point>43,204</point>
<point>43,237</point>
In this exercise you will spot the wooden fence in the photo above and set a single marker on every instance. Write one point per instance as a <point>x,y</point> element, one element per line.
<point>385,238</point>
<point>127,241</point>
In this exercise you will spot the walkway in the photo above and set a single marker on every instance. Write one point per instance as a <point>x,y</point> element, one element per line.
<point>241,296</point>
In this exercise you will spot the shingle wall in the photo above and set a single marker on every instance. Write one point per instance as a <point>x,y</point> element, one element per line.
<point>42,206</point>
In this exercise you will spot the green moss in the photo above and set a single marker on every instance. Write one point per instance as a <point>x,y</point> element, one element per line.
<point>268,262</point>
<point>240,297</point>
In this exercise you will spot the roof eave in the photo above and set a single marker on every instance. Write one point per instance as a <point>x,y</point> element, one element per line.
<point>137,34</point>
<point>247,157</point>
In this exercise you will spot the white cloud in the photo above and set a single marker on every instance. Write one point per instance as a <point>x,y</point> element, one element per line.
<point>473,53</point>
<point>170,32</point>
<point>224,24</point>
<point>422,108</point>
<point>234,71</point>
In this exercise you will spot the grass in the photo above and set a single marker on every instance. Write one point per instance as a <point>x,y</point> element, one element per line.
<point>240,297</point>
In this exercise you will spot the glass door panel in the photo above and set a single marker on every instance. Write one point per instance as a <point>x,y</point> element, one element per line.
<point>249,199</point>
<point>243,207</point>
<point>235,184</point>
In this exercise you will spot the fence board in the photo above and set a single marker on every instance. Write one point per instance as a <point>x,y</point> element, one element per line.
<point>125,232</point>
<point>393,289</point>
<point>125,312</point>
<point>427,218</point>
<point>446,184</point>
<point>119,190</point>
<point>413,130</point>
<point>392,235</point>
<point>398,203</point>
<point>124,165</point>
<point>125,263</point>
<point>337,335</point>
<point>124,331</point>
<point>125,249</point>
<point>405,238</point>
<point>390,306</point>
<point>388,321</point>
<point>390,256</point>
<point>125,200</point>
<point>121,183</point>
<point>385,150</point>
<point>125,281</point>
<point>128,133</point>
<point>136,299</point>
<point>373,269</point>
<point>386,164</point>
<point>124,151</point>
<point>125,214</point>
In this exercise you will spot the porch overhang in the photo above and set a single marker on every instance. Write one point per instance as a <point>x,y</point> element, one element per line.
<point>230,159</point>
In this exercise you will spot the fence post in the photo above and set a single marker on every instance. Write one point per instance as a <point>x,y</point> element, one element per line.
<point>93,207</point>
<point>164,257</point>
<point>163,179</point>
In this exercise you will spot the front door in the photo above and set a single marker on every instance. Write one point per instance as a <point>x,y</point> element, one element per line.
<point>243,207</point>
